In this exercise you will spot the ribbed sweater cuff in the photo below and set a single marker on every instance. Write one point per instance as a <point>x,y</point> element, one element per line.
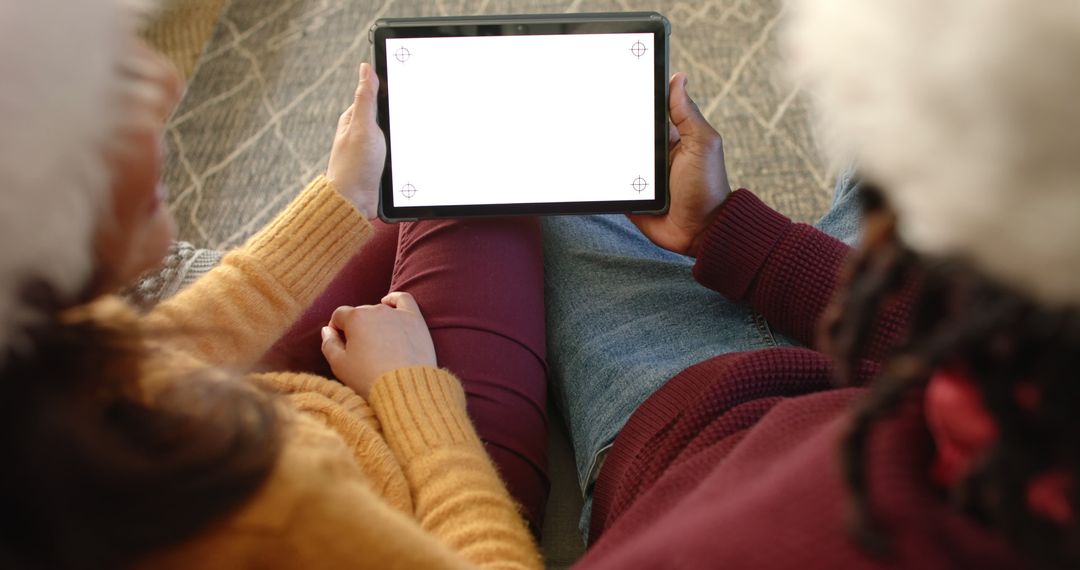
<point>308,243</point>
<point>420,409</point>
<point>737,244</point>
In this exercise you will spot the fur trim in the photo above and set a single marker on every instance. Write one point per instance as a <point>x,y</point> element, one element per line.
<point>61,66</point>
<point>965,112</point>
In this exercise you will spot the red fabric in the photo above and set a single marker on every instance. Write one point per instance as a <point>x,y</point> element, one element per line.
<point>962,426</point>
<point>735,462</point>
<point>787,272</point>
<point>479,284</point>
<point>365,280</point>
<point>964,429</point>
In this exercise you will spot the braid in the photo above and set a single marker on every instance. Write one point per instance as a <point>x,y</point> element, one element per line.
<point>1007,344</point>
<point>893,386</point>
<point>882,269</point>
<point>1032,348</point>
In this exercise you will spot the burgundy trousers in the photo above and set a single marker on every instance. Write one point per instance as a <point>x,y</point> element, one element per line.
<point>480,286</point>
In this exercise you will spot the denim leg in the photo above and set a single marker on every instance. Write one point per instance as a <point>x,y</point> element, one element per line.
<point>843,220</point>
<point>625,316</point>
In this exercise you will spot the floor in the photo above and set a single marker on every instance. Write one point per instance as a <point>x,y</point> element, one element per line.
<point>252,129</point>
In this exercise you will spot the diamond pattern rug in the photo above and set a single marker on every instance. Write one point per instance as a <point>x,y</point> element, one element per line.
<point>257,121</point>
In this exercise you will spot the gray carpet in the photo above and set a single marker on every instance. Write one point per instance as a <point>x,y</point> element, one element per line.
<point>258,118</point>
<point>259,114</point>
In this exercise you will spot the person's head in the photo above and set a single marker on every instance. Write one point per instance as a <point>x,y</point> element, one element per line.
<point>963,115</point>
<point>98,469</point>
<point>133,233</point>
<point>83,106</point>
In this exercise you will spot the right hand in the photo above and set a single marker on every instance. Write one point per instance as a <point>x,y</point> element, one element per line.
<point>363,343</point>
<point>698,177</point>
<point>359,153</point>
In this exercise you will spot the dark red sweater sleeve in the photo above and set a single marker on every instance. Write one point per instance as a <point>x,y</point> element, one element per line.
<point>785,271</point>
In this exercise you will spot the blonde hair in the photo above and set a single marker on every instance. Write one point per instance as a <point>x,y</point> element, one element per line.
<point>965,113</point>
<point>68,71</point>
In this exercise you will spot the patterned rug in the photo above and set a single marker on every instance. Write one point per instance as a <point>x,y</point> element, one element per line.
<point>257,121</point>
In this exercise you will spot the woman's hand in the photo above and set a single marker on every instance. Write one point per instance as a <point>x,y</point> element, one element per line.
<point>363,343</point>
<point>359,152</point>
<point>698,177</point>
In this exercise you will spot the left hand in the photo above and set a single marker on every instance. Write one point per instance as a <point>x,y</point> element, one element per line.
<point>698,177</point>
<point>359,153</point>
<point>363,343</point>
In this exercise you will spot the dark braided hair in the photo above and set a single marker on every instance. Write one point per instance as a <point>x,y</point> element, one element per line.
<point>1006,342</point>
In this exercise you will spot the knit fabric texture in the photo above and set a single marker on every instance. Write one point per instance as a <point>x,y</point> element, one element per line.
<point>399,480</point>
<point>734,463</point>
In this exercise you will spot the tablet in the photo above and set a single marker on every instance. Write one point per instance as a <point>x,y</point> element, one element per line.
<point>523,115</point>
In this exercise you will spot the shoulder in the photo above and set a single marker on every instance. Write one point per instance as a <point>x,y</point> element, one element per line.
<point>333,470</point>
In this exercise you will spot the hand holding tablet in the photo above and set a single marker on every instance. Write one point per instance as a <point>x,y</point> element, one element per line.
<point>698,177</point>
<point>523,115</point>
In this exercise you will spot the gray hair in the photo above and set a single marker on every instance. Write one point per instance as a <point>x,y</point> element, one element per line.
<point>966,113</point>
<point>65,67</point>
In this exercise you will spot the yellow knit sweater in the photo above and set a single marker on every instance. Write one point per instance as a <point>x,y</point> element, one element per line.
<point>398,481</point>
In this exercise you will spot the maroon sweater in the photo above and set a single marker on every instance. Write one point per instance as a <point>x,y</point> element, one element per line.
<point>734,463</point>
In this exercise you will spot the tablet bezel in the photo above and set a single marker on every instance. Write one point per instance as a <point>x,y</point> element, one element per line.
<point>539,24</point>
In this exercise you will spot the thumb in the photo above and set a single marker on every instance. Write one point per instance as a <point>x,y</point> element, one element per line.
<point>685,114</point>
<point>367,92</point>
<point>333,347</point>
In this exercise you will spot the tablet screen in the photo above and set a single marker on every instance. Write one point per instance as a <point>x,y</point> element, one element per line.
<point>521,119</point>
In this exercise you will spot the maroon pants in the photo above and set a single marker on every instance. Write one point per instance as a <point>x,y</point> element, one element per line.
<point>480,286</point>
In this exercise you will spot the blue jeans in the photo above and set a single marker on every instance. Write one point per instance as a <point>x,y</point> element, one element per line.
<point>625,316</point>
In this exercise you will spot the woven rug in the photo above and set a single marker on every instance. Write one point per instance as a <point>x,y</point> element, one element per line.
<point>257,121</point>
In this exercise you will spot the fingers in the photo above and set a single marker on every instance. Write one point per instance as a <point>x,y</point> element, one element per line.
<point>673,141</point>
<point>340,318</point>
<point>646,223</point>
<point>396,300</point>
<point>367,91</point>
<point>402,300</point>
<point>333,346</point>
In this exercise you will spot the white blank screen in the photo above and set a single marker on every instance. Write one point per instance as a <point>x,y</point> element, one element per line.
<point>521,119</point>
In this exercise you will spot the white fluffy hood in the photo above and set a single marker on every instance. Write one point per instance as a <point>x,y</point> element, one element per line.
<point>59,82</point>
<point>967,113</point>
